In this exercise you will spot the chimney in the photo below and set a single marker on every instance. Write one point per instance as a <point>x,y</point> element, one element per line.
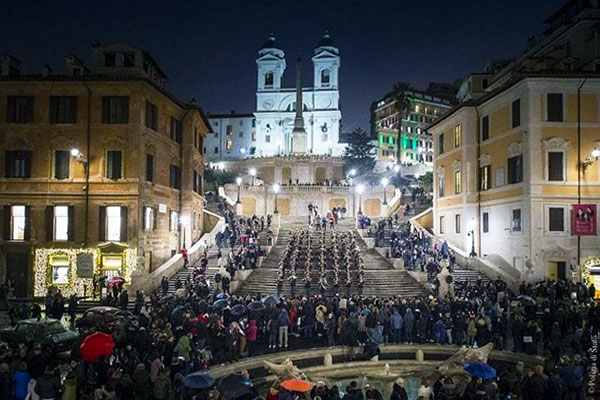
<point>46,71</point>
<point>10,66</point>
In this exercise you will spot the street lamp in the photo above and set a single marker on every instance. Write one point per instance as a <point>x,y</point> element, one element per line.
<point>276,190</point>
<point>252,174</point>
<point>239,184</point>
<point>471,233</point>
<point>384,183</point>
<point>590,160</point>
<point>78,156</point>
<point>360,189</point>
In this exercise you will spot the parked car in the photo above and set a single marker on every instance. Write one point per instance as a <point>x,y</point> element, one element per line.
<point>102,317</point>
<point>49,332</point>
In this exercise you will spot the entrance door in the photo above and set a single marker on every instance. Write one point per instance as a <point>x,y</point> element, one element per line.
<point>17,271</point>
<point>557,270</point>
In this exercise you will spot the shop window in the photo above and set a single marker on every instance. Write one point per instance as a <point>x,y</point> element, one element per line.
<point>111,265</point>
<point>60,270</point>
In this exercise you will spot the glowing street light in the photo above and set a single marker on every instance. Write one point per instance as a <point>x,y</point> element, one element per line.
<point>275,190</point>
<point>360,189</point>
<point>396,168</point>
<point>239,185</point>
<point>384,183</point>
<point>252,173</point>
<point>352,172</point>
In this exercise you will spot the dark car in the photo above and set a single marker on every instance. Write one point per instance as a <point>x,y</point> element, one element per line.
<point>102,317</point>
<point>49,332</point>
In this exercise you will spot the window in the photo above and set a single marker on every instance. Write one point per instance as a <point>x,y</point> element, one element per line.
<point>61,164</point>
<point>128,59</point>
<point>61,223</point>
<point>268,139</point>
<point>63,109</point>
<point>441,225</point>
<point>254,136</point>
<point>485,128</point>
<point>150,217</point>
<point>254,123</point>
<point>441,184</point>
<point>110,59</point>
<point>173,220</point>
<point>484,177</point>
<point>325,77</point>
<point>19,109</point>
<point>17,164</point>
<point>515,169</point>
<point>516,113</point>
<point>441,144</point>
<point>216,150</point>
<point>486,222</point>
<point>457,182</point>
<point>457,223</point>
<point>197,183</point>
<point>152,116</point>
<point>175,177</point>
<point>556,219</point>
<point>149,168</point>
<point>269,80</point>
<point>555,166</point>
<point>457,135</point>
<point>113,164</point>
<point>176,130</point>
<point>228,144</point>
<point>241,134</point>
<point>417,108</point>
<point>60,270</point>
<point>115,110</point>
<point>555,107</point>
<point>516,220</point>
<point>228,130</point>
<point>115,223</point>
<point>18,217</point>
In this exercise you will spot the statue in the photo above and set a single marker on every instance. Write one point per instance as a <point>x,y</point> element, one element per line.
<point>284,370</point>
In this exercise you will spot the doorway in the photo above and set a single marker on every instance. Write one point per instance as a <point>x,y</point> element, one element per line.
<point>557,270</point>
<point>17,271</point>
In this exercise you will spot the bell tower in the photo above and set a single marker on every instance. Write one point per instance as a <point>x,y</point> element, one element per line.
<point>326,62</point>
<point>271,66</point>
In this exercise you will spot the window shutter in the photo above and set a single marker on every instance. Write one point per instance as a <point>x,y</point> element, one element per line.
<point>6,223</point>
<point>117,165</point>
<point>105,110</point>
<point>123,235</point>
<point>9,163</point>
<point>49,217</point>
<point>102,224</point>
<point>154,218</point>
<point>27,222</point>
<point>71,228</point>
<point>27,158</point>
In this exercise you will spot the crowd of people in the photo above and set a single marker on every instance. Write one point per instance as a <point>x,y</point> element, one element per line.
<point>170,335</point>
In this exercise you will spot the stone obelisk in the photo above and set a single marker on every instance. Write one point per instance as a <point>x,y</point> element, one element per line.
<point>298,133</point>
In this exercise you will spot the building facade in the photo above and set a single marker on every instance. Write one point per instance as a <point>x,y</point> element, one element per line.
<point>514,166</point>
<point>233,137</point>
<point>101,174</point>
<point>401,119</point>
<point>276,105</point>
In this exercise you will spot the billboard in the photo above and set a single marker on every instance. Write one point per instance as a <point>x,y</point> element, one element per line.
<point>583,220</point>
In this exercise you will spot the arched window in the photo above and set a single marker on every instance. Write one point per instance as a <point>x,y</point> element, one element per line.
<point>325,77</point>
<point>269,80</point>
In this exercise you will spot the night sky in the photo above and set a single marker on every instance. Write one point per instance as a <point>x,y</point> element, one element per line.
<point>208,48</point>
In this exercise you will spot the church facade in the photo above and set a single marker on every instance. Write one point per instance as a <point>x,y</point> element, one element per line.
<point>276,106</point>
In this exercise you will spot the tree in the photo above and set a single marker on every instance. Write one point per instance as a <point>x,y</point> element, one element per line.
<point>403,105</point>
<point>359,153</point>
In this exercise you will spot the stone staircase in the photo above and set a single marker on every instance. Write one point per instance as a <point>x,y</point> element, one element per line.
<point>380,278</point>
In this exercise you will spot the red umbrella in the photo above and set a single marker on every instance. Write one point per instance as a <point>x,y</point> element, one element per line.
<point>95,346</point>
<point>297,385</point>
<point>117,280</point>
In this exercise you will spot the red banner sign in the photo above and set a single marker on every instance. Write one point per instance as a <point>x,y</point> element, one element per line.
<point>583,219</point>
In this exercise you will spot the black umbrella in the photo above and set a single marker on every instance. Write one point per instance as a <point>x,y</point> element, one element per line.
<point>220,304</point>
<point>234,386</point>
<point>198,380</point>
<point>271,300</point>
<point>166,299</point>
<point>374,335</point>
<point>256,306</point>
<point>526,300</point>
<point>238,309</point>
<point>178,312</point>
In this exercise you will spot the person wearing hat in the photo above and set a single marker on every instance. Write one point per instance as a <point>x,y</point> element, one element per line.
<point>353,392</point>
<point>371,393</point>
<point>398,390</point>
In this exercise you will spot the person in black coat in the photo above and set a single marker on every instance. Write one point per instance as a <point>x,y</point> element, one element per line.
<point>398,391</point>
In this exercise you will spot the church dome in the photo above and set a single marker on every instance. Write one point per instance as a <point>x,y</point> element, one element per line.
<point>326,41</point>
<point>271,43</point>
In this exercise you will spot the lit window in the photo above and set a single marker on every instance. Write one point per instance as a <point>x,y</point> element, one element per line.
<point>229,144</point>
<point>325,77</point>
<point>60,270</point>
<point>457,135</point>
<point>18,222</point>
<point>61,223</point>
<point>148,218</point>
<point>254,136</point>
<point>113,223</point>
<point>417,108</point>
<point>516,220</point>
<point>173,221</point>
<point>457,182</point>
